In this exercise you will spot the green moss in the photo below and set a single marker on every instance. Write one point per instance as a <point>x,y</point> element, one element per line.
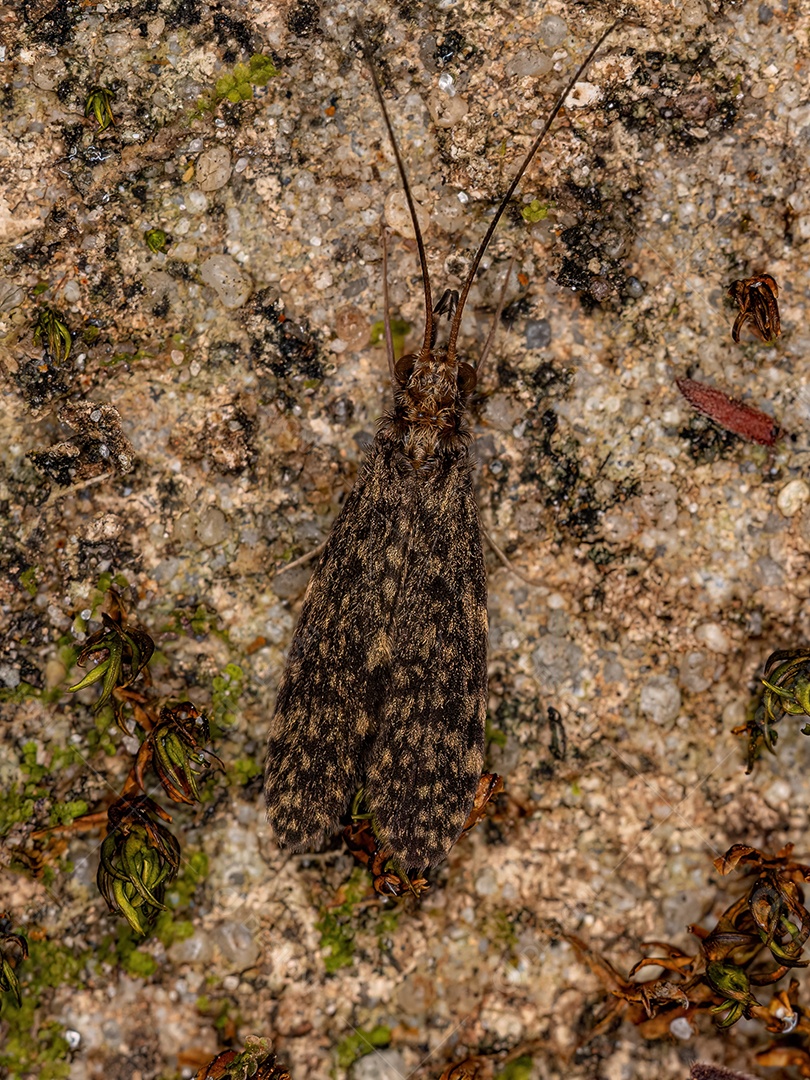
<point>501,930</point>
<point>168,929</point>
<point>14,808</point>
<point>120,950</point>
<point>237,85</point>
<point>535,211</point>
<point>36,1049</point>
<point>226,690</point>
<point>19,693</point>
<point>243,770</point>
<point>399,331</point>
<point>31,1046</point>
<point>100,736</point>
<point>335,924</point>
<point>388,922</point>
<point>141,963</point>
<point>337,942</point>
<point>519,1069</point>
<point>495,735</point>
<point>28,580</point>
<point>194,871</point>
<point>218,1010</point>
<point>64,813</point>
<point>17,803</point>
<point>202,622</point>
<point>360,1043</point>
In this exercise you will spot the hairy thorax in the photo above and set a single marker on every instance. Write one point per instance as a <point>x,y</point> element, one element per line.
<point>431,394</point>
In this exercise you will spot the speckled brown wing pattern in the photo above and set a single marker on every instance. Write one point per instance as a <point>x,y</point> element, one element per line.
<point>338,668</point>
<point>385,685</point>
<point>426,760</point>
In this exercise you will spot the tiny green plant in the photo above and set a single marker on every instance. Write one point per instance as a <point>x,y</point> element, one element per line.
<point>786,692</point>
<point>156,240</point>
<point>118,648</point>
<point>535,211</point>
<point>51,329</point>
<point>175,748</point>
<point>13,950</point>
<point>139,856</point>
<point>99,105</point>
<point>724,975</point>
<point>237,85</point>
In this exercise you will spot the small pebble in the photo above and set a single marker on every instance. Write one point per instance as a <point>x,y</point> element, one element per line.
<point>71,292</point>
<point>792,497</point>
<point>196,949</point>
<point>713,636</point>
<point>380,1065</point>
<point>351,326</point>
<point>224,275</point>
<point>538,334</point>
<point>447,111</point>
<point>486,884</point>
<point>582,95</point>
<point>529,62</point>
<point>556,660</point>
<point>48,72</point>
<point>633,287</point>
<point>237,944</point>
<point>11,296</point>
<point>213,527</point>
<point>9,676</point>
<point>661,699</point>
<point>213,168</point>
<point>553,30</point>
<point>693,672</point>
<point>397,216</point>
<point>681,1028</point>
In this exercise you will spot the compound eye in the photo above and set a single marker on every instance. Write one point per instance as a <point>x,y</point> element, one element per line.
<point>404,368</point>
<point>467,378</point>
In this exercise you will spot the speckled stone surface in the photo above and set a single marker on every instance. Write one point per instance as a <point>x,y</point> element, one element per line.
<point>667,559</point>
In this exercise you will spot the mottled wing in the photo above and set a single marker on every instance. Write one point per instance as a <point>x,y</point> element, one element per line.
<point>338,668</point>
<point>427,757</point>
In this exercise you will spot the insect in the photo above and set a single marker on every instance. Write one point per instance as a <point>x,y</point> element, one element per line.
<point>756,299</point>
<point>385,687</point>
<point>736,416</point>
<point>363,843</point>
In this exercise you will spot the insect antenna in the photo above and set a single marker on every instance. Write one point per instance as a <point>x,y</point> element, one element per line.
<point>456,323</point>
<point>430,333</point>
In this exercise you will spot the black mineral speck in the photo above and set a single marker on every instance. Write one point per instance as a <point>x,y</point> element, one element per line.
<point>184,13</point>
<point>765,13</point>
<point>449,46</point>
<point>303,18</point>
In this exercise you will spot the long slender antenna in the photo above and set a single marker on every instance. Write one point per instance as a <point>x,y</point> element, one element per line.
<point>456,323</point>
<point>407,189</point>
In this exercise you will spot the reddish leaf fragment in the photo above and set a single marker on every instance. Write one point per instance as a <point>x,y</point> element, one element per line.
<point>731,415</point>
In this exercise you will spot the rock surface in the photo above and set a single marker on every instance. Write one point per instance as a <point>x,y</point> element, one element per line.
<point>663,560</point>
